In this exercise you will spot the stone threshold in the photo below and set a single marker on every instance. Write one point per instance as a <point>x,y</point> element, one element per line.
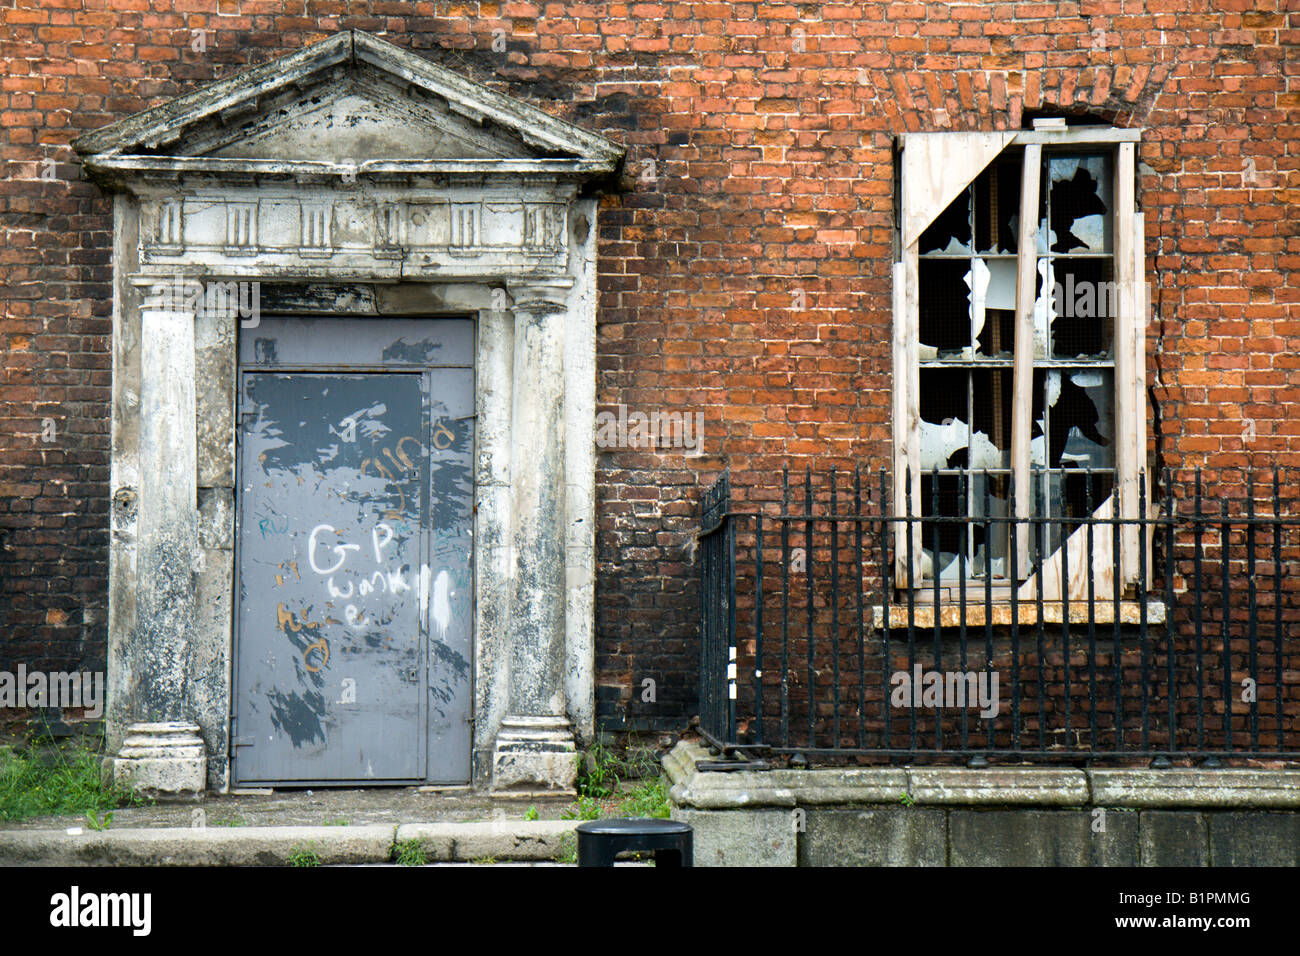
<point>275,846</point>
<point>963,786</point>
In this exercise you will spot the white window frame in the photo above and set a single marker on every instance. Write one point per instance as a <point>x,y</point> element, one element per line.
<point>935,169</point>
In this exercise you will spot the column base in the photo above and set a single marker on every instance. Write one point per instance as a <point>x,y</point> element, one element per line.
<point>535,755</point>
<point>165,761</point>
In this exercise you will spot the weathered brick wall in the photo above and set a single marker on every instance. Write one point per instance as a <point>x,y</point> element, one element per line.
<point>744,265</point>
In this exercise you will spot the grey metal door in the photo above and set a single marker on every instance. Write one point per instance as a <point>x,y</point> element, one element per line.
<point>355,577</point>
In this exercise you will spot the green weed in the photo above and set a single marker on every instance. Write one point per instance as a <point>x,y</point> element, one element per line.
<point>568,849</point>
<point>303,856</point>
<point>410,853</point>
<point>94,821</point>
<point>602,791</point>
<point>43,782</point>
<point>649,798</point>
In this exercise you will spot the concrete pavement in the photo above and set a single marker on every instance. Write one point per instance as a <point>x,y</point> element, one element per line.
<point>269,828</point>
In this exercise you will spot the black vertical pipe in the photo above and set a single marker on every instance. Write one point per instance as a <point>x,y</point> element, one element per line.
<point>1251,601</point>
<point>1117,655</point>
<point>706,675</point>
<point>934,573</point>
<point>1092,615</point>
<point>785,607</point>
<point>911,611</point>
<point>988,605</point>
<point>730,544</point>
<point>809,606</point>
<point>758,626</point>
<point>1225,536</point>
<point>1040,564</point>
<point>1198,535</point>
<point>1065,611</point>
<point>1142,609</point>
<point>1171,631</point>
<point>1277,606</point>
<point>1252,633</point>
<point>886,601</point>
<point>860,572</point>
<point>1014,554</point>
<point>961,587</point>
<point>835,614</point>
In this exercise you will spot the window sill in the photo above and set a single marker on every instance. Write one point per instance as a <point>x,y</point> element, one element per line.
<point>1103,612</point>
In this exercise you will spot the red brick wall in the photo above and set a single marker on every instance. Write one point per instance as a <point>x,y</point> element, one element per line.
<point>744,266</point>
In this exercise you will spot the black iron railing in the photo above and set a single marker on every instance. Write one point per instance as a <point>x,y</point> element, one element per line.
<point>718,612</point>
<point>1170,637</point>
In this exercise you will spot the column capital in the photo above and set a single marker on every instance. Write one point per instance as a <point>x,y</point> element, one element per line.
<point>183,296</point>
<point>177,294</point>
<point>540,296</point>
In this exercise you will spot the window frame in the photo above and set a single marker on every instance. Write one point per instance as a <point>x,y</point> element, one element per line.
<point>935,167</point>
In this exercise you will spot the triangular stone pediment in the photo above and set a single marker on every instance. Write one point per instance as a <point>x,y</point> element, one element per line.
<point>353,99</point>
<point>351,121</point>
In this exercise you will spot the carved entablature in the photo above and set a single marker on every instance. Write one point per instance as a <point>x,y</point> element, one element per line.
<point>307,231</point>
<point>352,157</point>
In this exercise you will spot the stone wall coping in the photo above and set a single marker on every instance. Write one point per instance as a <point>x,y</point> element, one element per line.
<point>963,786</point>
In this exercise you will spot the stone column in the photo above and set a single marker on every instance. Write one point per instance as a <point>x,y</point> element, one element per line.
<point>535,748</point>
<point>160,753</point>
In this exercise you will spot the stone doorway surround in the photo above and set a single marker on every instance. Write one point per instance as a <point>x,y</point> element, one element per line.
<point>356,178</point>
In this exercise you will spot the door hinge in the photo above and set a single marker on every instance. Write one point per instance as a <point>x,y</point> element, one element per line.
<point>244,406</point>
<point>235,739</point>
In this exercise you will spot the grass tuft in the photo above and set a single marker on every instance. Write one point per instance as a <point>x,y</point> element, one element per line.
<point>304,856</point>
<point>45,782</point>
<point>410,853</point>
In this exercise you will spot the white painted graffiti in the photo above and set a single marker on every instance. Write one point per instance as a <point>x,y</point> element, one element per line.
<point>383,581</point>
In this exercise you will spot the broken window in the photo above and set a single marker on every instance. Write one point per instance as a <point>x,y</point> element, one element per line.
<point>1019,343</point>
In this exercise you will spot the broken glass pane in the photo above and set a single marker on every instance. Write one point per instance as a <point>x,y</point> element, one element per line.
<point>1084,416</point>
<point>1044,306</point>
<point>992,399</point>
<point>944,309</point>
<point>965,426</point>
<point>1073,418</point>
<point>1084,302</point>
<point>966,418</point>
<point>950,233</point>
<point>1080,204</point>
<point>997,207</point>
<point>993,317</point>
<point>945,417</point>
